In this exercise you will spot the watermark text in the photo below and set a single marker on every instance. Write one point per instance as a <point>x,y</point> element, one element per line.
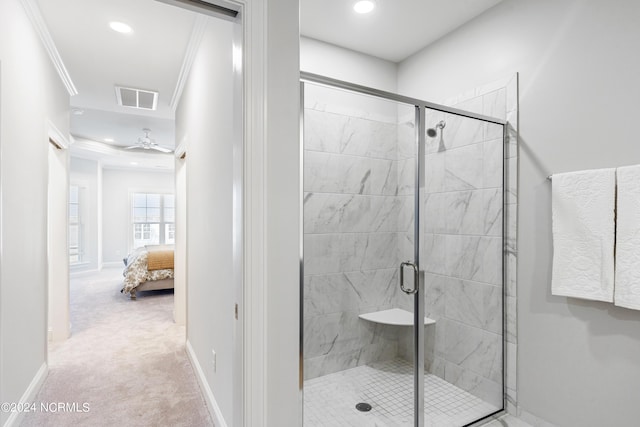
<point>49,407</point>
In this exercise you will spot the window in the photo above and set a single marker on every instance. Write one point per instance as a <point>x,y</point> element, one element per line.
<point>153,219</point>
<point>75,226</point>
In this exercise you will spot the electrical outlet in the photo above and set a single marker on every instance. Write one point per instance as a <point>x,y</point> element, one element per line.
<point>213,359</point>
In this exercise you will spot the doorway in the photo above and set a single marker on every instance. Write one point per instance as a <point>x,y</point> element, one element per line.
<point>215,351</point>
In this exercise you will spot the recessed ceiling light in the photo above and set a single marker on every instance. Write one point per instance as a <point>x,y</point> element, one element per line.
<point>133,163</point>
<point>77,111</point>
<point>108,140</point>
<point>120,27</point>
<point>364,6</point>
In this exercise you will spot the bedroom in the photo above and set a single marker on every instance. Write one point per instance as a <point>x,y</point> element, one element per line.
<point>118,208</point>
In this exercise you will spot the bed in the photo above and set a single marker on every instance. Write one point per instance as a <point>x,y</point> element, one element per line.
<point>148,268</point>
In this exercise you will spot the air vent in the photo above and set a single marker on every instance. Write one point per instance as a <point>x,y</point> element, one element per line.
<point>137,98</point>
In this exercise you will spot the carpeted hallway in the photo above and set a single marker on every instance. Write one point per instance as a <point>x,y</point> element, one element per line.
<point>125,359</point>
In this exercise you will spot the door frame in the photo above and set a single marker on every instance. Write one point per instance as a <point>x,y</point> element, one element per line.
<point>58,311</point>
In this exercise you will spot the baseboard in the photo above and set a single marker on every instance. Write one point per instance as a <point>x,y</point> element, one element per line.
<point>212,405</point>
<point>533,420</point>
<point>29,396</point>
<point>83,273</point>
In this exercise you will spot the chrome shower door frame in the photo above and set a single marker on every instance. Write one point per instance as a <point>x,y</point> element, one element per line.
<point>420,107</point>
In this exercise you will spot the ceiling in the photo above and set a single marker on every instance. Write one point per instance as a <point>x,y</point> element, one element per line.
<point>98,58</point>
<point>151,57</point>
<point>395,30</point>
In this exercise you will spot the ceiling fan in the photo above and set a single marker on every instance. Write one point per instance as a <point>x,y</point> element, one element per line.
<point>147,143</point>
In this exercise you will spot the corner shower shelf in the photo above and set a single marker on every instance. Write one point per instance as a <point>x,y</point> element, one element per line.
<point>394,316</point>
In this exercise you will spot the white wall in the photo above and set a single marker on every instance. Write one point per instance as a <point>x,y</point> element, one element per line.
<point>577,360</point>
<point>205,114</point>
<point>117,184</point>
<point>271,202</point>
<point>85,174</point>
<point>30,93</point>
<point>343,64</point>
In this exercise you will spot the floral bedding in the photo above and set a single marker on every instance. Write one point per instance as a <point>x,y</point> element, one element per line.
<point>136,273</point>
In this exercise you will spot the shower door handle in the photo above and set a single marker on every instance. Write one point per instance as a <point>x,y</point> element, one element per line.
<point>415,277</point>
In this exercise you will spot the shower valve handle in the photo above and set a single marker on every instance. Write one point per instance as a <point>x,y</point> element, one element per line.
<point>415,277</point>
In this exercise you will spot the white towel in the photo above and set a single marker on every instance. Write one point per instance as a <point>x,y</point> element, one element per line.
<point>583,234</point>
<point>627,292</point>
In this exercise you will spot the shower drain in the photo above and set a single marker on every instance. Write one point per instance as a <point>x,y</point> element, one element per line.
<point>363,407</point>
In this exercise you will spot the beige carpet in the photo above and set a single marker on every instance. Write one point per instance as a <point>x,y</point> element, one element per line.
<point>125,359</point>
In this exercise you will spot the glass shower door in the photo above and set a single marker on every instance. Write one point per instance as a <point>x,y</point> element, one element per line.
<point>461,235</point>
<point>359,164</point>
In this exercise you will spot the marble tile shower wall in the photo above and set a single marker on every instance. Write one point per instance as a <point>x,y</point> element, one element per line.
<point>353,220</point>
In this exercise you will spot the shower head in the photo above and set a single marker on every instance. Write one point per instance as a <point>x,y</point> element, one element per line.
<point>431,132</point>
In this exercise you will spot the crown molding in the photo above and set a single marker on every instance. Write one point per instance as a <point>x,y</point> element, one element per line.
<point>35,16</point>
<point>197,33</point>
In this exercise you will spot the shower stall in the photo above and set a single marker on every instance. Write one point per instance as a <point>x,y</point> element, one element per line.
<point>402,278</point>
